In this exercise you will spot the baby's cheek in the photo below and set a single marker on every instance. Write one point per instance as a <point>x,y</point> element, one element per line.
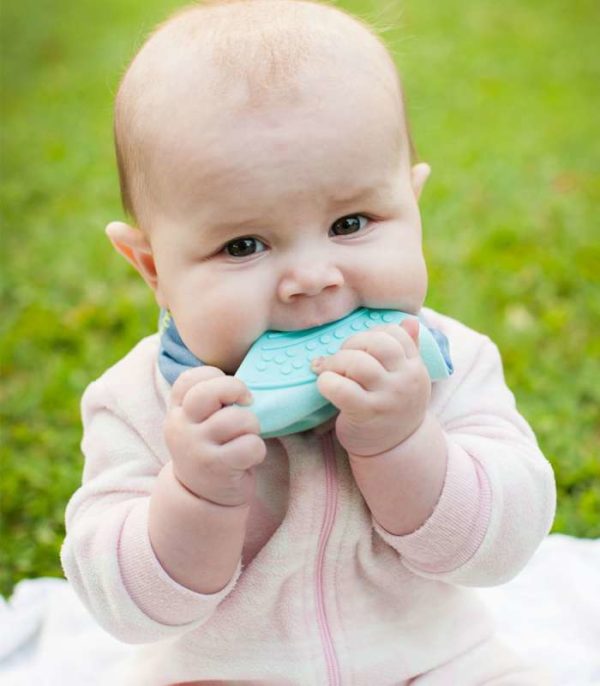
<point>395,286</point>
<point>410,282</point>
<point>237,329</point>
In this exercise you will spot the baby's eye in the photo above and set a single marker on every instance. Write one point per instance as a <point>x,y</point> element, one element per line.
<point>349,224</point>
<point>242,247</point>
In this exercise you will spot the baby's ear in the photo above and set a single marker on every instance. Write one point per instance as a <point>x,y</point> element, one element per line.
<point>135,248</point>
<point>420,173</point>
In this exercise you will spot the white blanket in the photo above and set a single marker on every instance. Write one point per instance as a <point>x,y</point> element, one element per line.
<point>551,612</point>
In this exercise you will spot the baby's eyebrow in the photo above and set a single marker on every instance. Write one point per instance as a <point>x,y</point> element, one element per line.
<point>362,193</point>
<point>232,226</point>
<point>353,195</point>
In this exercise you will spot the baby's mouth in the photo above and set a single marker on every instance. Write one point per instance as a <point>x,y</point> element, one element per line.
<point>319,315</point>
<point>315,321</point>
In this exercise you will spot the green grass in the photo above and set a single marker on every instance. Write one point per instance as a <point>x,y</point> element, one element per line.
<point>503,100</point>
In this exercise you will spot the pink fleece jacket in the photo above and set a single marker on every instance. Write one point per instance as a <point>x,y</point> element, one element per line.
<point>322,595</point>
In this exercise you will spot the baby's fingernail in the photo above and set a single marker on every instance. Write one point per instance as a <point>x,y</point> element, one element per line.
<point>247,399</point>
<point>316,363</point>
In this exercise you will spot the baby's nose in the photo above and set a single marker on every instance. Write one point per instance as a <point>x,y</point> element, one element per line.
<point>309,279</point>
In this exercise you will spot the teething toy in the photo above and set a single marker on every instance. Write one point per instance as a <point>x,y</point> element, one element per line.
<point>277,369</point>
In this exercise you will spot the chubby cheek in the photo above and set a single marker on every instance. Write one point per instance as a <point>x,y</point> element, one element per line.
<point>398,283</point>
<point>220,325</point>
<point>413,283</point>
<point>224,346</point>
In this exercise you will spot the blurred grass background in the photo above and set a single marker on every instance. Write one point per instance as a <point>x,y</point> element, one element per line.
<point>503,99</point>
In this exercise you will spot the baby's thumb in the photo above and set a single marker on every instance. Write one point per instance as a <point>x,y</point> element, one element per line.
<point>411,326</point>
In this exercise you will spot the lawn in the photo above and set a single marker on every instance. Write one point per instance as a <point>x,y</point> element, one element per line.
<point>503,100</point>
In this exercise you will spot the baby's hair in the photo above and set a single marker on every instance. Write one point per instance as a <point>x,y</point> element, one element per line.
<point>261,43</point>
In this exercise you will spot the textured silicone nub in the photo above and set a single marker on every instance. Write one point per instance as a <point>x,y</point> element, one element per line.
<point>278,374</point>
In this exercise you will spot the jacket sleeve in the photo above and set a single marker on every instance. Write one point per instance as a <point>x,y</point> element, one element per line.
<point>107,555</point>
<point>499,496</point>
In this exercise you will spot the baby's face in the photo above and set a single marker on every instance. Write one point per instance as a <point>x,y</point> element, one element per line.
<point>286,218</point>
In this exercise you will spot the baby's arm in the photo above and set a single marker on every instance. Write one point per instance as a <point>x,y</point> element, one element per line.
<point>187,531</point>
<point>468,496</point>
<point>395,447</point>
<point>499,496</point>
<point>134,533</point>
<point>199,508</point>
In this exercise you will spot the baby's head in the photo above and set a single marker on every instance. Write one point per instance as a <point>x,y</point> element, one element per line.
<point>266,163</point>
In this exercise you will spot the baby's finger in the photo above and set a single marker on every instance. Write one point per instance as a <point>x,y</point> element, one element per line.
<point>229,423</point>
<point>243,452</point>
<point>405,337</point>
<point>411,326</point>
<point>380,344</point>
<point>357,365</point>
<point>204,399</point>
<point>342,392</point>
<point>190,378</point>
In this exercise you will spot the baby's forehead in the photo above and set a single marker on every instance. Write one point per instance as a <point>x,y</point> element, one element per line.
<point>252,51</point>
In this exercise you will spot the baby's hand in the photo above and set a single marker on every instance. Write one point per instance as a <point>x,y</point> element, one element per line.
<point>214,446</point>
<point>380,385</point>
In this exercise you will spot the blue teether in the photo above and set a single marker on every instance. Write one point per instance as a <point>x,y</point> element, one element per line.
<point>277,369</point>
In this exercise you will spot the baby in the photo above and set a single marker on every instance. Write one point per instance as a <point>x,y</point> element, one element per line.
<point>266,164</point>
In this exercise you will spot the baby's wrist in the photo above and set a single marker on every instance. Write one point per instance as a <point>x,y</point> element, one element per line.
<point>395,446</point>
<point>175,494</point>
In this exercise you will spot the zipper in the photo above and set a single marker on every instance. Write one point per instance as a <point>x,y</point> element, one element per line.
<point>333,669</point>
